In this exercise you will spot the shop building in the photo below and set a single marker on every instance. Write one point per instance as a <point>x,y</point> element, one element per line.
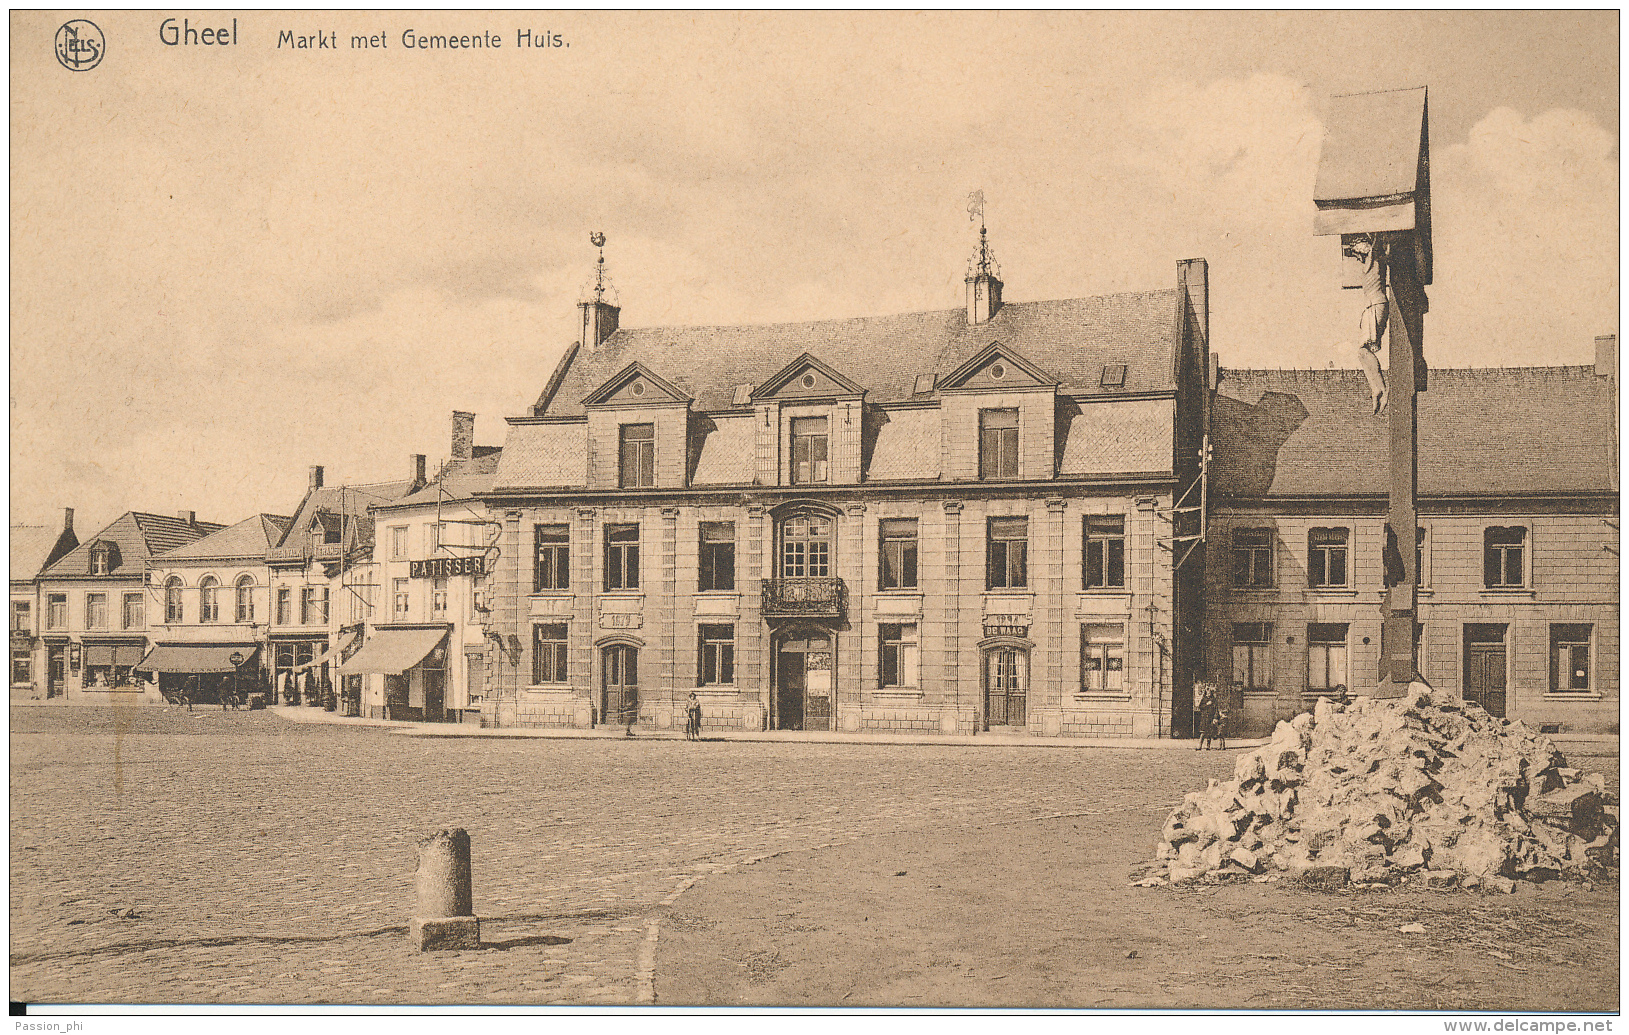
<point>212,611</point>
<point>94,604</point>
<point>1517,540</point>
<point>427,650</point>
<point>968,519</point>
<point>33,549</point>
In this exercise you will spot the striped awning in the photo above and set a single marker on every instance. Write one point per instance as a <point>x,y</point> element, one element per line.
<point>196,658</point>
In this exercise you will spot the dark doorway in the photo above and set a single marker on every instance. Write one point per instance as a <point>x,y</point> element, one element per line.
<point>804,683</point>
<point>1485,668</point>
<point>619,685</point>
<point>1006,687</point>
<point>56,668</point>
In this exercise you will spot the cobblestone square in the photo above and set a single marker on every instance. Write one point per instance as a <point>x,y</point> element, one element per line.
<point>210,857</point>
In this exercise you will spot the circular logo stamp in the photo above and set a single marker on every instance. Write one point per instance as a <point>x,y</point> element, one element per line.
<point>80,45</point>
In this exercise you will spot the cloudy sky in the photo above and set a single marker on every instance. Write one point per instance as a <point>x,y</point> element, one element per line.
<point>230,263</point>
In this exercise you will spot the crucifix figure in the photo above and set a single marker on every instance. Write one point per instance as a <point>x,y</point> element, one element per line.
<point>1369,252</point>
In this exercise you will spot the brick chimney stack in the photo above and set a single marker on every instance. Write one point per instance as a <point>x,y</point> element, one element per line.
<point>419,480</point>
<point>67,519</point>
<point>189,516</point>
<point>463,435</point>
<point>316,478</point>
<point>1606,356</point>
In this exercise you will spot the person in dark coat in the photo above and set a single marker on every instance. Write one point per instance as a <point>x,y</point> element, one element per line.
<point>1207,719</point>
<point>692,718</point>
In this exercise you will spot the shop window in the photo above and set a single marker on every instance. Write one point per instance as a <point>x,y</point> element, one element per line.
<point>806,547</point>
<point>717,667</point>
<point>548,654</point>
<point>898,554</point>
<point>135,611</point>
<point>56,610</point>
<point>1105,552</point>
<point>1008,553</point>
<point>1253,558</point>
<point>285,607</point>
<point>1253,655</point>
<point>1103,658</point>
<point>621,557</point>
<point>1326,657</point>
<point>1326,557</point>
<point>638,456</point>
<point>438,599</point>
<point>22,666</point>
<point>809,450</point>
<point>314,605</point>
<point>551,557</point>
<point>22,617</point>
<point>998,443</point>
<point>96,610</point>
<point>899,658</point>
<point>1569,658</point>
<point>172,601</point>
<point>1503,551</point>
<point>244,611</point>
<point>399,604</point>
<point>209,599</point>
<point>717,556</point>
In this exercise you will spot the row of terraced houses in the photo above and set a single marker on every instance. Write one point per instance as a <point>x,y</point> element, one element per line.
<point>1045,517</point>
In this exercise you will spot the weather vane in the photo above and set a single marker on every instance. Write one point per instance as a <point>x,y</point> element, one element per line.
<point>975,207</point>
<point>984,263</point>
<point>597,239</point>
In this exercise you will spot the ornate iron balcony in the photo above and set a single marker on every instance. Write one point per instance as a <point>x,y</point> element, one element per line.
<point>804,598</point>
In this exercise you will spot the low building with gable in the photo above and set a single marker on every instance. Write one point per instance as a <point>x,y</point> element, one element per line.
<point>33,549</point>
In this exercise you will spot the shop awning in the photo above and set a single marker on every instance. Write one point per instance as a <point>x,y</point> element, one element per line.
<point>196,658</point>
<point>119,655</point>
<point>331,654</point>
<point>394,651</point>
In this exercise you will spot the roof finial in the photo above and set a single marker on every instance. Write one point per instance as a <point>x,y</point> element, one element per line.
<point>597,239</point>
<point>984,264</point>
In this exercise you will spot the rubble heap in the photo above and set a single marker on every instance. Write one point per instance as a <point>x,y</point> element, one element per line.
<point>1419,787</point>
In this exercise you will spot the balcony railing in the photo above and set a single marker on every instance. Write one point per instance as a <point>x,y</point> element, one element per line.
<point>804,598</point>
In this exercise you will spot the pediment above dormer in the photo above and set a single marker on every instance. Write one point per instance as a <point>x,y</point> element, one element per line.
<point>808,378</point>
<point>635,385</point>
<point>997,367</point>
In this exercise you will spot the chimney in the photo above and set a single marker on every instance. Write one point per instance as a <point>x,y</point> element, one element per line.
<point>1193,277</point>
<point>67,519</point>
<point>189,516</point>
<point>1606,356</point>
<point>463,435</point>
<point>418,472</point>
<point>316,478</point>
<point>983,284</point>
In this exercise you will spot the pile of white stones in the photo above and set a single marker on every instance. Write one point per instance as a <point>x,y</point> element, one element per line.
<point>1374,792</point>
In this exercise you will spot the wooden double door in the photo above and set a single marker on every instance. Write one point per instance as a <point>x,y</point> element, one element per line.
<point>619,685</point>
<point>804,682</point>
<point>1485,668</point>
<point>1006,688</point>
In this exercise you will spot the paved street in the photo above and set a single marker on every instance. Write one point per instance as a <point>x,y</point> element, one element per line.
<point>162,856</point>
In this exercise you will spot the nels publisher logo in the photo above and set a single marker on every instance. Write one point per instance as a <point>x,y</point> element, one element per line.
<point>80,45</point>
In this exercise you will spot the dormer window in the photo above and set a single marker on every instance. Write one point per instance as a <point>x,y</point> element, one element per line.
<point>998,443</point>
<point>809,450</point>
<point>638,456</point>
<point>101,559</point>
<point>1114,375</point>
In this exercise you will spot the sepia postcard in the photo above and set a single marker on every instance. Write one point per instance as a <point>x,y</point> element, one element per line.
<point>1114,512</point>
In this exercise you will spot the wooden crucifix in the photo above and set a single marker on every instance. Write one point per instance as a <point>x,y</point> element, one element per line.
<point>1374,190</point>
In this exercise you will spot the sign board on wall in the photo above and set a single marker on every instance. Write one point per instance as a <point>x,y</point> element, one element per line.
<point>447,567</point>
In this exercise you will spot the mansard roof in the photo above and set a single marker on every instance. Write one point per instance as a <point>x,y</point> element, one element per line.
<point>1073,339</point>
<point>1483,432</point>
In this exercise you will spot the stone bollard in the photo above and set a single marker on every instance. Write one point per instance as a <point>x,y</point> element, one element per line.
<point>445,917</point>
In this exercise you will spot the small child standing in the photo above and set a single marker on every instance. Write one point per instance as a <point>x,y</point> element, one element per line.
<point>1219,726</point>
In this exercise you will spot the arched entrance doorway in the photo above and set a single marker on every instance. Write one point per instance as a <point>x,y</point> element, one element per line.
<point>619,684</point>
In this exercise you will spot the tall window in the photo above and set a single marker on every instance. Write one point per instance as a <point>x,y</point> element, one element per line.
<point>209,599</point>
<point>135,611</point>
<point>1326,656</point>
<point>398,542</point>
<point>899,658</point>
<point>1253,655</point>
<point>399,601</point>
<point>717,666</point>
<point>314,605</point>
<point>809,450</point>
<point>1569,658</point>
<point>244,611</point>
<point>96,610</point>
<point>806,547</point>
<point>717,559</point>
<point>1008,566</point>
<point>172,600</point>
<point>549,653</point>
<point>898,569</point>
<point>22,665</point>
<point>1420,572</point>
<point>998,443</point>
<point>638,454</point>
<point>1106,552</point>
<point>1502,550</point>
<point>56,610</point>
<point>551,559</point>
<point>22,617</point>
<point>438,598</point>
<point>285,607</point>
<point>621,556</point>
<point>1103,657</point>
<point>1326,557</point>
<point>362,599</point>
<point>1253,558</point>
